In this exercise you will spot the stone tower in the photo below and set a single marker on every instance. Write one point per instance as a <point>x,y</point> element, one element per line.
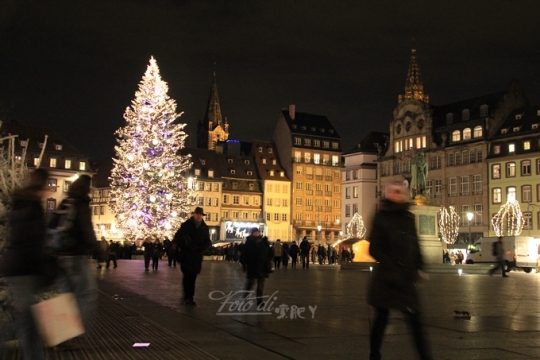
<point>212,128</point>
<point>414,89</point>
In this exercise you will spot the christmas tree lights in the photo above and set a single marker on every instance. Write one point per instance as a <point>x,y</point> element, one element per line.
<point>449,224</point>
<point>150,195</point>
<point>508,221</point>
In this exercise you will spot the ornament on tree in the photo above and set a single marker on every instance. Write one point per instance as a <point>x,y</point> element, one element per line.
<point>508,221</point>
<point>449,224</point>
<point>150,195</point>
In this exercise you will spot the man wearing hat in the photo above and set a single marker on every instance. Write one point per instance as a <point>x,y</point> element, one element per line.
<point>192,239</point>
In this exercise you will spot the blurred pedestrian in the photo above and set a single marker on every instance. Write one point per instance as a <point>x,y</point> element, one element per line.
<point>147,252</point>
<point>277,249</point>
<point>294,251</point>
<point>112,253</point>
<point>498,252</point>
<point>285,255</point>
<point>22,262</point>
<point>304,252</point>
<point>394,244</point>
<point>172,254</point>
<point>257,254</point>
<point>101,253</point>
<point>193,238</point>
<point>157,251</point>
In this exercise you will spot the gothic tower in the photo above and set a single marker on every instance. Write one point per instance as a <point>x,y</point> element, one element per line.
<point>212,128</point>
<point>414,89</point>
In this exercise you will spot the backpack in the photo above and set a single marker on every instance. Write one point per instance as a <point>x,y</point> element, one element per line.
<point>59,237</point>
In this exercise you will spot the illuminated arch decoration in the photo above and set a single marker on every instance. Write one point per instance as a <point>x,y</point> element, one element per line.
<point>356,228</point>
<point>509,220</point>
<point>449,224</point>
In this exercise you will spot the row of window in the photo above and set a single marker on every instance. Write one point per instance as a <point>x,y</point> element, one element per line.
<point>317,159</point>
<point>348,210</point>
<point>246,200</point>
<point>276,217</point>
<point>308,202</point>
<point>277,202</point>
<point>409,144</point>
<point>511,169</point>
<point>52,185</point>
<point>349,190</point>
<point>318,218</point>
<point>53,163</point>
<point>316,143</point>
<point>458,135</point>
<point>207,201</point>
<point>511,193</point>
<point>212,216</point>
<point>465,184</point>
<point>465,114</point>
<point>277,187</point>
<point>207,186</point>
<point>477,218</point>
<point>435,161</point>
<point>210,173</point>
<point>318,173</point>
<point>525,146</point>
<point>241,215</point>
<point>352,175</point>
<point>318,188</point>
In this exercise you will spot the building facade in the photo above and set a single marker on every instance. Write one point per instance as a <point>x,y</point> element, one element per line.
<point>309,149</point>
<point>276,201</point>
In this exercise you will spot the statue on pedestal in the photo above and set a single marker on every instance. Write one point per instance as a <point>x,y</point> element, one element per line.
<point>419,172</point>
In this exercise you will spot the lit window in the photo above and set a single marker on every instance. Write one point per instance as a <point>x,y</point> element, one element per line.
<point>260,149</point>
<point>335,145</point>
<point>82,165</point>
<point>307,142</point>
<point>58,146</point>
<point>197,172</point>
<point>477,131</point>
<point>210,173</point>
<point>52,162</point>
<point>497,195</point>
<point>511,148</point>
<point>297,141</point>
<point>497,149</point>
<point>36,161</point>
<point>526,145</point>
<point>466,134</point>
<point>67,164</point>
<point>411,143</point>
<point>511,169</point>
<point>496,171</point>
<point>456,135</point>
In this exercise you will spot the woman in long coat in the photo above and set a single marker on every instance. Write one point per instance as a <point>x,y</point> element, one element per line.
<point>394,244</point>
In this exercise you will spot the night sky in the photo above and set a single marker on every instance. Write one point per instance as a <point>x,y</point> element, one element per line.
<point>74,65</point>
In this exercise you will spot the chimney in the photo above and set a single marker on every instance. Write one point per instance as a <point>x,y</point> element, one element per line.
<point>292,111</point>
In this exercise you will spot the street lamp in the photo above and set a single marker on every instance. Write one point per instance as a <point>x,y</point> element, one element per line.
<point>470,216</point>
<point>319,230</point>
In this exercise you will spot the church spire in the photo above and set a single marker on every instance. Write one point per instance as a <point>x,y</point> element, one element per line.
<point>414,89</point>
<point>213,118</point>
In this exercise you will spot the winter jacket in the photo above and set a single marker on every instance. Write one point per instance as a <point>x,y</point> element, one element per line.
<point>278,246</point>
<point>192,242</point>
<point>257,256</point>
<point>294,250</point>
<point>394,244</point>
<point>305,247</point>
<point>82,229</point>
<point>23,253</point>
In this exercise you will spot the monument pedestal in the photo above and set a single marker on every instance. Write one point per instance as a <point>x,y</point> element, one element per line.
<point>428,232</point>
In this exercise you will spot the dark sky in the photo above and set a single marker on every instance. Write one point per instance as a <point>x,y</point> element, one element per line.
<point>74,65</point>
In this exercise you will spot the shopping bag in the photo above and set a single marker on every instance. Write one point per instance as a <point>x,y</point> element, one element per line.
<point>58,319</point>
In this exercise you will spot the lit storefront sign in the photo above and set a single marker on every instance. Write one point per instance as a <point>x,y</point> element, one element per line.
<point>240,230</point>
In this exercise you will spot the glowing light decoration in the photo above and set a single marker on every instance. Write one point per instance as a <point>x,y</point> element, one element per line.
<point>449,224</point>
<point>509,220</point>
<point>356,228</point>
<point>146,199</point>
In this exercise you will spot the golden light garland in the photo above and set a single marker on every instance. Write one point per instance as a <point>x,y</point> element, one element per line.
<point>449,224</point>
<point>356,228</point>
<point>509,220</point>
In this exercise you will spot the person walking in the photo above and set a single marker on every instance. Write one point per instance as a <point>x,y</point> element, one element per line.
<point>22,262</point>
<point>304,252</point>
<point>293,252</point>
<point>321,252</point>
<point>394,245</point>
<point>498,252</point>
<point>147,252</point>
<point>277,249</point>
<point>101,253</point>
<point>192,238</point>
<point>157,251</point>
<point>172,254</point>
<point>256,255</point>
<point>76,276</point>
<point>285,255</point>
<point>111,254</point>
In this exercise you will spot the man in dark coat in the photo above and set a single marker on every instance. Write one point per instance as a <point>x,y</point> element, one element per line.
<point>304,253</point>
<point>257,256</point>
<point>498,252</point>
<point>192,239</point>
<point>394,244</point>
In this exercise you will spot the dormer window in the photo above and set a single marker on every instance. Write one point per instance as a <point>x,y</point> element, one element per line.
<point>67,164</point>
<point>263,160</point>
<point>233,171</point>
<point>484,110</point>
<point>259,148</point>
<point>465,114</point>
<point>294,126</point>
<point>282,173</point>
<point>82,165</point>
<point>230,161</point>
<point>516,128</point>
<point>504,131</point>
<point>497,149</point>
<point>203,162</point>
<point>274,162</point>
<point>456,135</point>
<point>303,128</point>
<point>246,162</point>
<point>534,126</point>
<point>312,128</point>
<point>58,147</point>
<point>466,134</point>
<point>518,116</point>
<point>271,172</point>
<point>52,162</point>
<point>307,142</point>
<point>40,145</point>
<point>269,150</point>
<point>24,143</point>
<point>210,173</point>
<point>197,172</point>
<point>322,130</point>
<point>331,131</point>
<point>250,172</point>
<point>511,148</point>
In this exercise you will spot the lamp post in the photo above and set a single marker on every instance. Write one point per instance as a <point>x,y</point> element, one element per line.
<point>319,235</point>
<point>470,216</point>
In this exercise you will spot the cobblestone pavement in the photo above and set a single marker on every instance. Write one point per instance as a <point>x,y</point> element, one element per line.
<point>504,323</point>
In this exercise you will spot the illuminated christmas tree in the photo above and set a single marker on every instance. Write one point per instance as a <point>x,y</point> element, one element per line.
<point>150,195</point>
<point>508,221</point>
<point>356,228</point>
